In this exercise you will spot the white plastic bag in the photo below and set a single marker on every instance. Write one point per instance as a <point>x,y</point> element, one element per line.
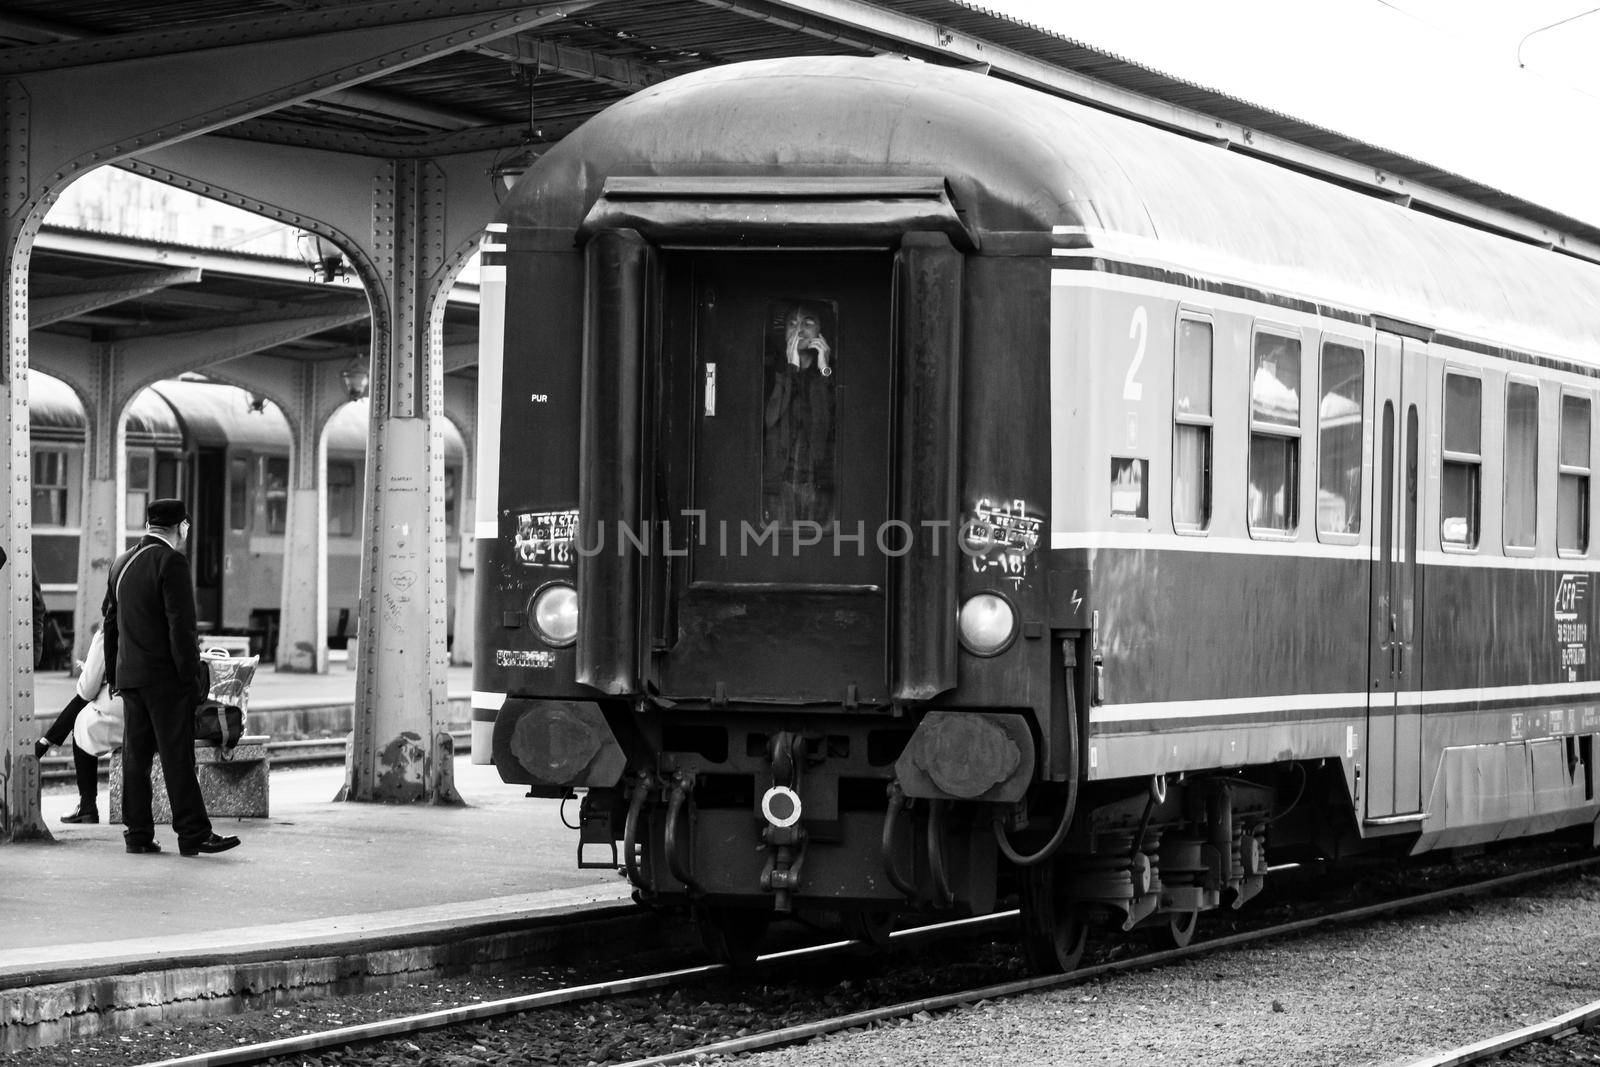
<point>230,677</point>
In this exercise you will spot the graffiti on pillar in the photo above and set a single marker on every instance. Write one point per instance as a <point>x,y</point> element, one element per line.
<point>401,768</point>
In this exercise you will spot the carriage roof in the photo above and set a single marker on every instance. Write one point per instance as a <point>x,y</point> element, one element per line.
<point>1016,159</point>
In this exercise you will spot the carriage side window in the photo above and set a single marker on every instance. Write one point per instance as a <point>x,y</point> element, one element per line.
<point>1340,426</point>
<point>275,493</point>
<point>341,498</point>
<point>238,495</point>
<point>52,496</point>
<point>1191,427</point>
<point>1275,434</point>
<point>1522,464</point>
<point>1572,487</point>
<point>1461,477</point>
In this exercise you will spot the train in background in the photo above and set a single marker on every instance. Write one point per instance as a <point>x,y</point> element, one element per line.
<point>227,453</point>
<point>902,489</point>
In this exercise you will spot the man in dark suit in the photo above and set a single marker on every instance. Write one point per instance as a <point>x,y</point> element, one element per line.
<point>152,649</point>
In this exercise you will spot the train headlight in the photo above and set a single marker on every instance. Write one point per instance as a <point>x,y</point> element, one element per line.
<point>987,624</point>
<point>555,614</point>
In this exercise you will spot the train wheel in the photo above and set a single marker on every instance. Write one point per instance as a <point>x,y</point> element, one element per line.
<point>1175,930</point>
<point>871,928</point>
<point>1054,930</point>
<point>731,935</point>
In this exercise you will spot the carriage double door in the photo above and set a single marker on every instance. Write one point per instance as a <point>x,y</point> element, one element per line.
<point>782,593</point>
<point>1394,714</point>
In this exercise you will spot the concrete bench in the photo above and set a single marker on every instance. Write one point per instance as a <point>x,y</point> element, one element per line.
<point>234,787</point>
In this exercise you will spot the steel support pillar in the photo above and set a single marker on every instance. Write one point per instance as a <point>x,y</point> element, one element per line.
<point>20,217</point>
<point>62,114</point>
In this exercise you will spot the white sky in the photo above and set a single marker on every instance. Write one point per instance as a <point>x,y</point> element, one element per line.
<point>1437,80</point>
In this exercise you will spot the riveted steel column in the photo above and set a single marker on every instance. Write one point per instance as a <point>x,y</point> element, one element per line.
<point>401,749</point>
<point>303,604</point>
<point>104,504</point>
<point>20,817</point>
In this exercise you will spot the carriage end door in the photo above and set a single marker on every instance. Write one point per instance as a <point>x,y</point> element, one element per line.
<point>1394,714</point>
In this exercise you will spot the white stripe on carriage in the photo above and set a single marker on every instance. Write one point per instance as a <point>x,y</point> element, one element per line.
<point>1238,546</point>
<point>486,531</point>
<point>1356,702</point>
<point>1245,546</point>
<point>488,701</point>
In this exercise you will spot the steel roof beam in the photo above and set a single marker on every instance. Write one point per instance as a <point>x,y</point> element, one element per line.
<point>91,294</point>
<point>892,29</point>
<point>157,358</point>
<point>290,26</point>
<point>341,313</point>
<point>551,127</point>
<point>582,63</point>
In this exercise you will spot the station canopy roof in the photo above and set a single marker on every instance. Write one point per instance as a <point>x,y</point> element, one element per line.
<point>518,94</point>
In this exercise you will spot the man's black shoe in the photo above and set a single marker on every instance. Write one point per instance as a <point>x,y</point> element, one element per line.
<point>214,843</point>
<point>83,814</point>
<point>148,846</point>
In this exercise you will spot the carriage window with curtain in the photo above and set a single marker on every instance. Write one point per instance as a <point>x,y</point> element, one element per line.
<point>1522,464</point>
<point>1572,487</point>
<point>1460,480</point>
<point>1274,504</point>
<point>1339,426</point>
<point>1191,427</point>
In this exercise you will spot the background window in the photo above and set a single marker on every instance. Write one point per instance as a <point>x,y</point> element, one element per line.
<point>1572,487</point>
<point>341,498</point>
<point>1275,434</point>
<point>1340,425</point>
<point>1460,479</point>
<point>50,489</point>
<point>1191,429</point>
<point>275,493</point>
<point>1522,464</point>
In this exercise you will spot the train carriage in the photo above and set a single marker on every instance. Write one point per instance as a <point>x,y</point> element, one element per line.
<point>901,486</point>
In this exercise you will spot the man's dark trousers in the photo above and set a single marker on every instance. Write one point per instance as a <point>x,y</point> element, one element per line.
<point>160,717</point>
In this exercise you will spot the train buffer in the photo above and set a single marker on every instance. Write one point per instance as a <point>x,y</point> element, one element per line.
<point>233,785</point>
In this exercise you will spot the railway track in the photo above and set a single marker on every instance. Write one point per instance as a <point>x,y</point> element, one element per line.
<point>305,753</point>
<point>585,998</point>
<point>1569,1024</point>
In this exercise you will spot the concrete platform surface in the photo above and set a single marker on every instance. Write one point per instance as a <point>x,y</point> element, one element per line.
<point>315,871</point>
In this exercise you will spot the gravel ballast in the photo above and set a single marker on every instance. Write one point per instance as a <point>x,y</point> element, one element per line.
<point>1386,992</point>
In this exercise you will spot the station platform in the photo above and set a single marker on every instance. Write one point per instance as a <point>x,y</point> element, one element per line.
<point>317,879</point>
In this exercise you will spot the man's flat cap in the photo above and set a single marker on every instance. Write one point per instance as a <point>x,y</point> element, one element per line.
<point>168,511</point>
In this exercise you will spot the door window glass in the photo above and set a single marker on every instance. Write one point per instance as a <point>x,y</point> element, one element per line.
<point>1522,464</point>
<point>1572,488</point>
<point>798,474</point>
<point>1274,503</point>
<point>1460,477</point>
<point>341,498</point>
<point>238,495</point>
<point>1191,430</point>
<point>275,493</point>
<point>1340,428</point>
<point>141,476</point>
